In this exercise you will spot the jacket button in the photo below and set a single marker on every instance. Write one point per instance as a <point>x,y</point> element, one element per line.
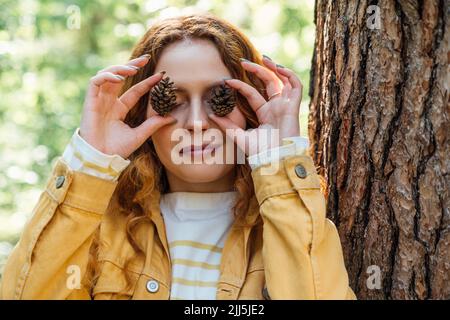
<point>152,286</point>
<point>300,171</point>
<point>60,181</point>
<point>265,293</point>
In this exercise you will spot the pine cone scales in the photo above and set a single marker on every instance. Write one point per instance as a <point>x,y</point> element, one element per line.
<point>223,100</point>
<point>163,97</point>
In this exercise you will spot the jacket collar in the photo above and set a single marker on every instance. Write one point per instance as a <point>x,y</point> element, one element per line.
<point>157,219</point>
<point>235,254</point>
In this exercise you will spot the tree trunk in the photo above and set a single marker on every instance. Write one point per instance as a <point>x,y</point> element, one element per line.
<point>379,129</point>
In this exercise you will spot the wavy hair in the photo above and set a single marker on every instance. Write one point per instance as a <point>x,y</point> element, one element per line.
<point>146,174</point>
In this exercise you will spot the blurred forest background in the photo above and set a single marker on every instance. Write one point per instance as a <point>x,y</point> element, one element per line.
<point>49,50</point>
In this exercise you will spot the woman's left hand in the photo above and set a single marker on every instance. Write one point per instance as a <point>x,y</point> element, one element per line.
<point>278,117</point>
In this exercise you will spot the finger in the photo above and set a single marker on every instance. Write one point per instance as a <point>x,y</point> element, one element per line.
<point>273,67</point>
<point>132,95</point>
<point>254,98</point>
<point>293,79</point>
<point>151,125</point>
<point>140,61</point>
<point>232,130</point>
<point>268,77</point>
<point>131,68</point>
<point>100,79</point>
<point>123,70</point>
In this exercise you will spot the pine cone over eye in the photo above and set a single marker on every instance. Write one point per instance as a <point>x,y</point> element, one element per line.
<point>223,100</point>
<point>163,97</point>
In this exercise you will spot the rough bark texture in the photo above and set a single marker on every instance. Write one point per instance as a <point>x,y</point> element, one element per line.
<point>379,127</point>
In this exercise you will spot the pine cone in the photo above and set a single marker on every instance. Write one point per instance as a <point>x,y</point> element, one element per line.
<point>223,100</point>
<point>163,97</point>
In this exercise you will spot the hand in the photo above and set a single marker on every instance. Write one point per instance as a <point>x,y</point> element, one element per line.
<point>281,112</point>
<point>102,123</point>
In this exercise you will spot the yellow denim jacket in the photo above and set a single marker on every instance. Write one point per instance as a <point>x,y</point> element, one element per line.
<point>294,253</point>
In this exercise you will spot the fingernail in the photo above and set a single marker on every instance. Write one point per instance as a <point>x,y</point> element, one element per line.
<point>226,78</point>
<point>244,60</point>
<point>163,72</point>
<point>280,66</point>
<point>134,67</point>
<point>147,55</point>
<point>267,57</point>
<point>120,77</point>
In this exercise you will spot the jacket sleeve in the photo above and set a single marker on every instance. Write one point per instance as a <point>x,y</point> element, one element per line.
<point>50,259</point>
<point>302,253</point>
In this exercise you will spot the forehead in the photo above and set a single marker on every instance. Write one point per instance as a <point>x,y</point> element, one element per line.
<point>192,62</point>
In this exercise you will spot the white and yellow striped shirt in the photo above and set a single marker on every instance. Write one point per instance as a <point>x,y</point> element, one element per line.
<point>197,225</point>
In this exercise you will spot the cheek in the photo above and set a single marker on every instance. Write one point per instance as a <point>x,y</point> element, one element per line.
<point>161,141</point>
<point>161,138</point>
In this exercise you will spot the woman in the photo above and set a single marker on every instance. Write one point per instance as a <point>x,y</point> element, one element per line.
<point>122,218</point>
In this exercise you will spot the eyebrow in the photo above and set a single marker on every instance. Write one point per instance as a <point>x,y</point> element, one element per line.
<point>182,89</point>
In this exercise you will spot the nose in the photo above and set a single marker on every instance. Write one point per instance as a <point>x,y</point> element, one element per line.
<point>197,118</point>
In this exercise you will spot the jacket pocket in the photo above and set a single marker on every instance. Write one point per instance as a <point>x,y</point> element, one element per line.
<point>111,284</point>
<point>252,289</point>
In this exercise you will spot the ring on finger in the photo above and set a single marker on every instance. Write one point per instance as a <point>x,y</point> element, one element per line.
<point>274,95</point>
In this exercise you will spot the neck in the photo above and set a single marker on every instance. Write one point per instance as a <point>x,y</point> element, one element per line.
<point>224,184</point>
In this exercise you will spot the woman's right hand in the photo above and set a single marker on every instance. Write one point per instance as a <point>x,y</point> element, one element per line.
<point>102,122</point>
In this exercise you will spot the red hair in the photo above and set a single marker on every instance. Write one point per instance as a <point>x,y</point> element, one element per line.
<point>145,175</point>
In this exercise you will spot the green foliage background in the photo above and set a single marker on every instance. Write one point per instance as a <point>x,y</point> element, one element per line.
<point>49,49</point>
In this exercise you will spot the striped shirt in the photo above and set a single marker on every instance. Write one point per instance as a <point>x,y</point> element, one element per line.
<point>197,225</point>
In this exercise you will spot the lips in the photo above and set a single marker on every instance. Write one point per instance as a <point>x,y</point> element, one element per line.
<point>198,148</point>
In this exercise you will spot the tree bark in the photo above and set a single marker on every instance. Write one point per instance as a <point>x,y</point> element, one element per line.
<point>379,130</point>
